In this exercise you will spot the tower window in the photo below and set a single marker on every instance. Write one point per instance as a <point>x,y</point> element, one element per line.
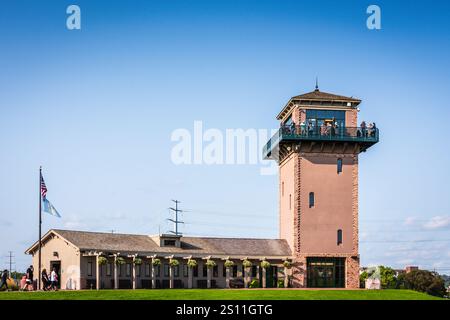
<point>311,199</point>
<point>339,165</point>
<point>290,202</point>
<point>282,189</point>
<point>339,237</point>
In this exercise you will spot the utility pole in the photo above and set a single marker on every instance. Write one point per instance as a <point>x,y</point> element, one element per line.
<point>176,221</point>
<point>10,261</point>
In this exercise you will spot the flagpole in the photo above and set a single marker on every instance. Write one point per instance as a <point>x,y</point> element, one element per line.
<point>40,223</point>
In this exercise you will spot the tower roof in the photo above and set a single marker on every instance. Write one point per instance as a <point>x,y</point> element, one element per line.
<point>319,99</point>
<point>324,96</point>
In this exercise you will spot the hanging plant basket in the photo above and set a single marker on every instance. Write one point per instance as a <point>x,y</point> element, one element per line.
<point>102,261</point>
<point>247,263</point>
<point>120,261</point>
<point>211,263</point>
<point>287,264</point>
<point>229,264</point>
<point>174,262</point>
<point>156,262</point>
<point>137,261</point>
<point>192,263</point>
<point>265,264</point>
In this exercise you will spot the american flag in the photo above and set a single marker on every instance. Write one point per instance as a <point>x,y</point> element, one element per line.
<point>43,188</point>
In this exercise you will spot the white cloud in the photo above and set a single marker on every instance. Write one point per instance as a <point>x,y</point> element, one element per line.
<point>437,222</point>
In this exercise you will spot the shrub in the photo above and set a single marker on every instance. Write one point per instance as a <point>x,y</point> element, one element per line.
<point>280,283</point>
<point>229,264</point>
<point>265,264</point>
<point>120,261</point>
<point>174,262</point>
<point>247,263</point>
<point>102,261</point>
<point>137,261</point>
<point>287,264</point>
<point>211,263</point>
<point>425,281</point>
<point>192,263</point>
<point>156,262</point>
<point>254,283</point>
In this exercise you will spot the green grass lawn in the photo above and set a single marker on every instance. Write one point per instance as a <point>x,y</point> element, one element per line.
<point>219,294</point>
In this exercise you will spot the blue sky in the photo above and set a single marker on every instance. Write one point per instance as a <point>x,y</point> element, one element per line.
<point>96,108</point>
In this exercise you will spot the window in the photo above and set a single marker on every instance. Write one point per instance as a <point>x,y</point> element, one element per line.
<point>138,270</point>
<point>128,269</point>
<point>166,270</point>
<point>282,189</point>
<point>205,270</point>
<point>215,271</point>
<point>185,270</point>
<point>147,270</point>
<point>108,269</point>
<point>254,271</point>
<point>235,270</point>
<point>224,271</point>
<point>339,165</point>
<point>290,202</point>
<point>119,269</point>
<point>176,271</point>
<point>89,268</point>
<point>339,237</point>
<point>195,271</point>
<point>169,243</point>
<point>311,199</point>
<point>288,121</point>
<point>157,271</point>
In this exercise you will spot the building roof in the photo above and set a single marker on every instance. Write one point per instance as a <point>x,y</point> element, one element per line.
<point>320,99</point>
<point>320,95</point>
<point>145,244</point>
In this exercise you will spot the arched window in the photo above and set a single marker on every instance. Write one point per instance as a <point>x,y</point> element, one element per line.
<point>311,199</point>
<point>339,165</point>
<point>339,237</point>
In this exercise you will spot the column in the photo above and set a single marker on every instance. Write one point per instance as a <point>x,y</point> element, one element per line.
<point>134,274</point>
<point>97,273</point>
<point>171,276</point>
<point>286,277</point>
<point>208,277</point>
<point>228,277</point>
<point>245,276</point>
<point>190,277</point>
<point>116,277</point>
<point>153,276</point>
<point>264,277</point>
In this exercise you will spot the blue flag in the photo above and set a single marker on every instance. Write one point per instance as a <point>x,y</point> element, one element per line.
<point>49,208</point>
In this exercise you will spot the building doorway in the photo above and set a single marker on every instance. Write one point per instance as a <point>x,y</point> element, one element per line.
<point>271,277</point>
<point>57,266</point>
<point>325,272</point>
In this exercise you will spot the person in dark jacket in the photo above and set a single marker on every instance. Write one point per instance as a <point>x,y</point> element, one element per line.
<point>4,279</point>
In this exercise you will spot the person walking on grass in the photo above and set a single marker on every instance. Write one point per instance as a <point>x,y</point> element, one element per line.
<point>53,279</point>
<point>45,280</point>
<point>4,279</point>
<point>29,280</point>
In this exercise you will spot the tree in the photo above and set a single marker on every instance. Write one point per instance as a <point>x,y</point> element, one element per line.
<point>388,278</point>
<point>425,281</point>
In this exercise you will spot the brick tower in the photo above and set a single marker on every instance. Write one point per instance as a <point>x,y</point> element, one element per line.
<point>317,148</point>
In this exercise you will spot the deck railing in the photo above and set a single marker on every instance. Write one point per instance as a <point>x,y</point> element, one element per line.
<point>299,133</point>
